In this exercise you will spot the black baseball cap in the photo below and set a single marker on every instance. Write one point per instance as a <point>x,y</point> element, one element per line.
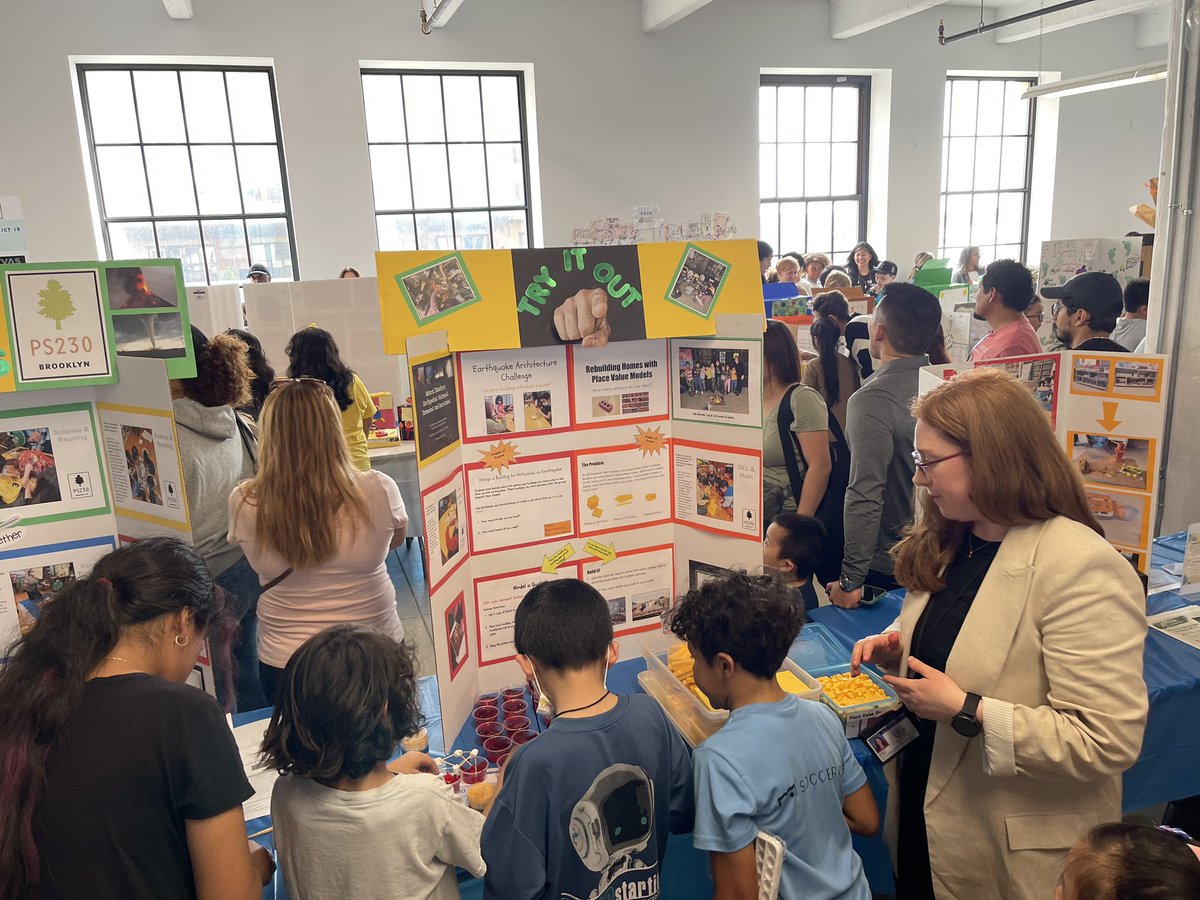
<point>887,267</point>
<point>1096,292</point>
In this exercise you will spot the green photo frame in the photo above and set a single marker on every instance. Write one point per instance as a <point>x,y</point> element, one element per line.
<point>414,293</point>
<point>678,287</point>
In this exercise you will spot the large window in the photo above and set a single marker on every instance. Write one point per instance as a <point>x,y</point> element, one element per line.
<point>987,162</point>
<point>449,159</point>
<point>812,162</point>
<point>189,165</point>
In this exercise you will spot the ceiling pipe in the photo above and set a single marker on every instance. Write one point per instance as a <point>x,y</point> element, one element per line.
<point>943,39</point>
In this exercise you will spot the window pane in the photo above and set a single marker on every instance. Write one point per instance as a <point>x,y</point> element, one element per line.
<point>962,163</point>
<point>792,230</point>
<point>1012,211</point>
<point>269,243</point>
<point>1016,110</point>
<point>1012,163</point>
<point>962,108</point>
<point>991,107</point>
<point>204,103</point>
<point>159,109</point>
<point>225,247</point>
<point>471,231</point>
<point>1009,251</point>
<point>464,118</point>
<point>509,230</point>
<point>122,181</point>
<point>423,102</point>
<point>110,104</point>
<point>766,170</point>
<point>262,182</point>
<point>820,227</point>
<point>845,169</point>
<point>945,163</point>
<point>845,114</point>
<point>766,113</point>
<point>983,219</point>
<point>958,223</point>
<point>216,180</point>
<point>389,176</point>
<point>506,174</point>
<point>987,163</point>
<point>946,109</point>
<point>791,170</point>
<point>845,225</point>
<point>817,110</point>
<point>791,113</point>
<point>942,252</point>
<point>434,232</point>
<point>132,240</point>
<point>250,107</point>
<point>170,172</point>
<point>816,170</point>
<point>501,111</point>
<point>385,108</point>
<point>431,180</point>
<point>181,240</point>
<point>468,175</point>
<point>768,223</point>
<point>396,233</point>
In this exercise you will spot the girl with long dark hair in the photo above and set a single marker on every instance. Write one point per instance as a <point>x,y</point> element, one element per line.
<point>860,265</point>
<point>260,366</point>
<point>832,374</point>
<point>313,353</point>
<point>117,778</point>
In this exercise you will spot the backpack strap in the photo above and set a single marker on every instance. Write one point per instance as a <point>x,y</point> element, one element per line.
<point>785,417</point>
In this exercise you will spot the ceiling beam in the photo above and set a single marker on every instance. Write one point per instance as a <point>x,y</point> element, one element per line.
<point>442,11</point>
<point>660,14</point>
<point>1153,28</point>
<point>849,18</point>
<point>1068,18</point>
<point>178,9</point>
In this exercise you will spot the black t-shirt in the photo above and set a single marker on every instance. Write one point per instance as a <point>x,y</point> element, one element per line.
<point>139,756</point>
<point>1101,345</point>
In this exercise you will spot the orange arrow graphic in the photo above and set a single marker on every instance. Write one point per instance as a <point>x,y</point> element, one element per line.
<point>1110,420</point>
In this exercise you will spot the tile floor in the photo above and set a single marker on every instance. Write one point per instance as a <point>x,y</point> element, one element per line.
<point>407,569</point>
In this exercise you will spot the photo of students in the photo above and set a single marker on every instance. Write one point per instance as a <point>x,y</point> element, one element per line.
<point>34,588</point>
<point>714,490</point>
<point>699,281</point>
<point>537,411</point>
<point>29,474</point>
<point>142,461</point>
<point>448,537</point>
<point>498,414</point>
<point>713,378</point>
<point>438,288</point>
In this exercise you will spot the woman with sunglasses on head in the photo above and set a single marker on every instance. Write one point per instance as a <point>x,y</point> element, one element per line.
<point>316,529</point>
<point>312,352</point>
<point>117,778</point>
<point>1019,648</point>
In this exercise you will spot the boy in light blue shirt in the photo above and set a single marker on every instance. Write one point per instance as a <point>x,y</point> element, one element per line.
<point>780,764</point>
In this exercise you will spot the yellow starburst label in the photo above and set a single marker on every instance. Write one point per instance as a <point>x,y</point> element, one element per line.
<point>650,440</point>
<point>499,456</point>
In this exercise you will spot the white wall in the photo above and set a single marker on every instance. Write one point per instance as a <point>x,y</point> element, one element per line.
<point>624,118</point>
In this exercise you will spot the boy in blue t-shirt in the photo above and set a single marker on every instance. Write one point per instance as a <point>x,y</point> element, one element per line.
<point>780,764</point>
<point>584,811</point>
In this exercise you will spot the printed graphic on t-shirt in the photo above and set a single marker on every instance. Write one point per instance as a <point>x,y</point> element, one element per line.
<point>611,827</point>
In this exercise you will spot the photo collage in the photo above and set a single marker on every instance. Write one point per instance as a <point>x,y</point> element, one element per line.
<point>144,308</point>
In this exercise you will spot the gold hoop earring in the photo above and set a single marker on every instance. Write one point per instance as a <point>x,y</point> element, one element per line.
<point>181,640</point>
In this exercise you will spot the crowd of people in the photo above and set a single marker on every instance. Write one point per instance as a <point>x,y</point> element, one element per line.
<point>1018,651</point>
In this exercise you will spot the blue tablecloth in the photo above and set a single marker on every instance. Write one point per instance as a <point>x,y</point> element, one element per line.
<point>1166,769</point>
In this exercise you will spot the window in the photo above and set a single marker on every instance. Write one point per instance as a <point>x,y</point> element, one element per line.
<point>812,162</point>
<point>987,163</point>
<point>188,165</point>
<point>449,159</point>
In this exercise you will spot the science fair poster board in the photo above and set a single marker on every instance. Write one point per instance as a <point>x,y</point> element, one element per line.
<point>65,324</point>
<point>1108,411</point>
<point>1063,260</point>
<point>603,463</point>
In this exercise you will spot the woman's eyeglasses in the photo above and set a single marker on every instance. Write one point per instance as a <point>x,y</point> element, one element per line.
<point>303,379</point>
<point>925,464</point>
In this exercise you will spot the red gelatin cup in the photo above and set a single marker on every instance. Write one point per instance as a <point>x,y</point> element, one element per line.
<point>452,778</point>
<point>485,714</point>
<point>522,737</point>
<point>515,708</point>
<point>496,747</point>
<point>489,699</point>
<point>485,730</point>
<point>513,693</point>
<point>474,770</point>
<point>513,724</point>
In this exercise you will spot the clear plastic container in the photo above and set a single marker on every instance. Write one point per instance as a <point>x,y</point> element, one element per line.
<point>817,648</point>
<point>692,718</point>
<point>857,718</point>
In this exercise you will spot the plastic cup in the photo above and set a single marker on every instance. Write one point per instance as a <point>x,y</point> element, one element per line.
<point>513,724</point>
<point>485,730</point>
<point>502,760</point>
<point>513,693</point>
<point>515,708</point>
<point>485,714</point>
<point>496,747</point>
<point>452,778</point>
<point>522,737</point>
<point>489,699</point>
<point>475,769</point>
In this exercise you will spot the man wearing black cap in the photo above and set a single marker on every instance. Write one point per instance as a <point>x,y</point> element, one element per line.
<point>259,274</point>
<point>1085,312</point>
<point>885,273</point>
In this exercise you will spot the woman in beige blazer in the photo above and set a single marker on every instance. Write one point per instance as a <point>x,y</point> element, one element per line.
<point>1019,647</point>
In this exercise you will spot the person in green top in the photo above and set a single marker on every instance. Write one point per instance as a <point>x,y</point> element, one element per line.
<point>810,430</point>
<point>313,353</point>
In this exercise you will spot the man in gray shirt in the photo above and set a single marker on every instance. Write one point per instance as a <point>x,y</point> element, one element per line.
<point>879,429</point>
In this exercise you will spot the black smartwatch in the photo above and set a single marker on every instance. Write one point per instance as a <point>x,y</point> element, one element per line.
<point>966,723</point>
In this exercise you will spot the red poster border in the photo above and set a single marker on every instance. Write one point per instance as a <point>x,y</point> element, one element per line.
<point>618,528</point>
<point>654,625</point>
<point>618,421</point>
<point>475,594</point>
<point>536,457</point>
<point>687,523</point>
<point>462,407</point>
<point>431,542</point>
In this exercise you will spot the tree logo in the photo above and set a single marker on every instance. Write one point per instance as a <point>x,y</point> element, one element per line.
<point>56,303</point>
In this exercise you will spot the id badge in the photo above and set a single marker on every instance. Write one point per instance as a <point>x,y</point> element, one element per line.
<point>895,732</point>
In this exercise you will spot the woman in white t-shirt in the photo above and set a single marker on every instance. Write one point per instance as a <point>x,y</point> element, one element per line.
<point>315,529</point>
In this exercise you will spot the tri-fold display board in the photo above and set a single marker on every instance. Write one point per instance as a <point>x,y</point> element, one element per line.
<point>631,460</point>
